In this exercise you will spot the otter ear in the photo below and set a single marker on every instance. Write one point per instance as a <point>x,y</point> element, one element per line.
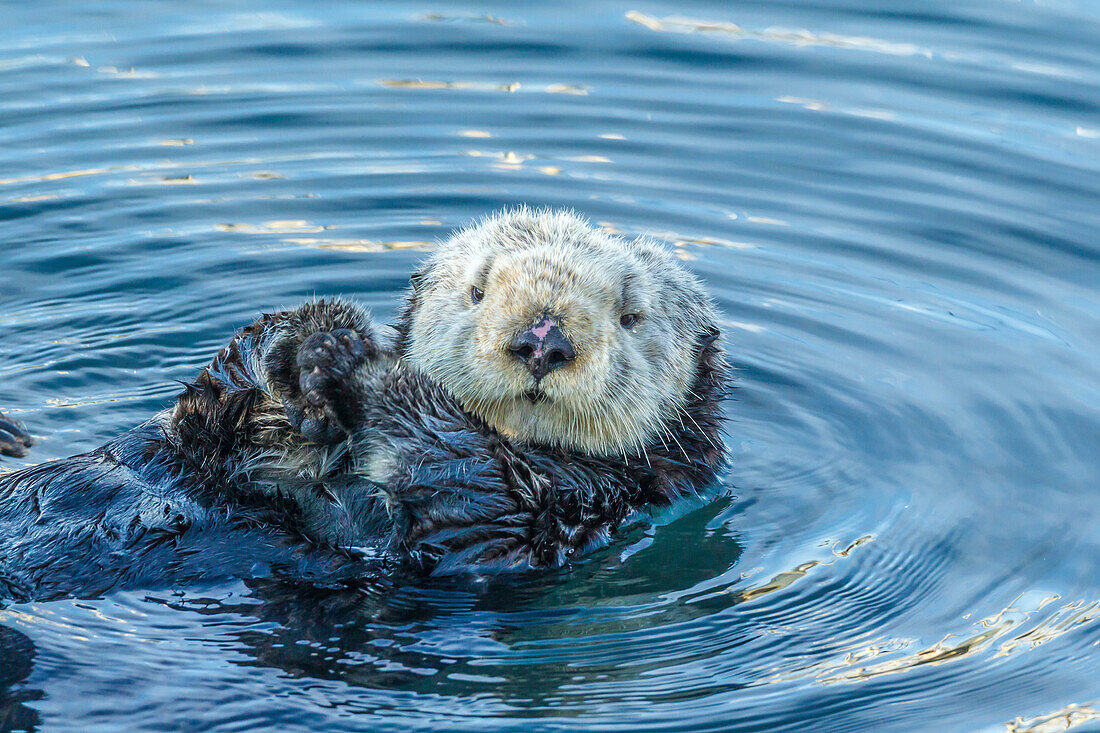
<point>708,336</point>
<point>418,279</point>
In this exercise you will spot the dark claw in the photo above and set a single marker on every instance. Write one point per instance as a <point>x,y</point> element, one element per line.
<point>312,382</point>
<point>354,345</point>
<point>14,440</point>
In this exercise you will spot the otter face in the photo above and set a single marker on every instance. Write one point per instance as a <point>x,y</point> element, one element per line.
<point>558,333</point>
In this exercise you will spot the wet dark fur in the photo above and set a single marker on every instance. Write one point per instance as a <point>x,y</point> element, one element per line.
<point>302,443</point>
<point>14,440</point>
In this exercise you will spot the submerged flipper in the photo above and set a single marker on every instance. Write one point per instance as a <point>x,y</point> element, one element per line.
<point>14,440</point>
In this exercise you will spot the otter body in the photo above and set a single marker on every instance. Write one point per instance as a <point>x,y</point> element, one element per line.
<point>509,436</point>
<point>120,517</point>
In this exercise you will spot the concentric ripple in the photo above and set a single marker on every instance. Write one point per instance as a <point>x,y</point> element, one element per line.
<point>895,206</point>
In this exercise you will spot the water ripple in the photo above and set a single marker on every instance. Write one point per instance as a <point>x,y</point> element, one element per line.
<point>893,206</point>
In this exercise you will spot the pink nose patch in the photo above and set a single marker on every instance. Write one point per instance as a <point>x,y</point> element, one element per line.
<point>543,328</point>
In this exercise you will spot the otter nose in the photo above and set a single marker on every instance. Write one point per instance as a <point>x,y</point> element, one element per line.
<point>543,347</point>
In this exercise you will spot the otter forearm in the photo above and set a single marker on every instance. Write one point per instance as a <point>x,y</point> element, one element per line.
<point>251,407</point>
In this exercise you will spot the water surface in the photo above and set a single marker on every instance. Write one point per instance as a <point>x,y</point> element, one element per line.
<point>894,204</point>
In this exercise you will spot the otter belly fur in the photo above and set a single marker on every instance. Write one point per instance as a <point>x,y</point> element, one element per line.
<point>310,449</point>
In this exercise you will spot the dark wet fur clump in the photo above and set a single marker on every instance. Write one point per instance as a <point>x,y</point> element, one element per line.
<point>14,438</point>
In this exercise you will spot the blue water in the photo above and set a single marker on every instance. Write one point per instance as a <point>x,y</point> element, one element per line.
<point>893,201</point>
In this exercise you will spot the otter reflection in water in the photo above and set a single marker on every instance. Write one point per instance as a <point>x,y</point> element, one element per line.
<point>547,380</point>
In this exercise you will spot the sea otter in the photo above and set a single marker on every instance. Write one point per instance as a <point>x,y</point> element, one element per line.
<point>547,380</point>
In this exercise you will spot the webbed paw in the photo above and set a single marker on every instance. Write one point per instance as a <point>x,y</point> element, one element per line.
<point>14,440</point>
<point>327,402</point>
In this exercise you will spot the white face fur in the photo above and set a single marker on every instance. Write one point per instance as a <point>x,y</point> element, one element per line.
<point>633,315</point>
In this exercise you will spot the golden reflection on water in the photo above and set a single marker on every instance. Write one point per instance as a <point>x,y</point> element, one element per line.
<point>574,89</point>
<point>502,160</point>
<point>1022,611</point>
<point>278,226</point>
<point>164,165</point>
<point>781,580</point>
<point>816,105</point>
<point>566,89</point>
<point>357,245</point>
<point>441,18</point>
<point>186,180</point>
<point>1067,617</point>
<point>68,402</point>
<point>588,159</point>
<point>679,240</point>
<point>1020,627</point>
<point>795,37</point>
<point>1067,718</point>
<point>67,174</point>
<point>427,84</point>
<point>32,199</point>
<point>130,73</point>
<point>784,579</point>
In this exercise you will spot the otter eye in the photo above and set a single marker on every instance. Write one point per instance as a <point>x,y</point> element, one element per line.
<point>628,320</point>
<point>476,294</point>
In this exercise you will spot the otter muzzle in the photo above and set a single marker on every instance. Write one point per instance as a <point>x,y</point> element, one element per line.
<point>543,347</point>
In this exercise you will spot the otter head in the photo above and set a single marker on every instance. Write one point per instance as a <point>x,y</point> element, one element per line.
<point>555,332</point>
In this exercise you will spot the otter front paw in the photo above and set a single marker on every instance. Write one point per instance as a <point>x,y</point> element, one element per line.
<point>14,440</point>
<point>327,405</point>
